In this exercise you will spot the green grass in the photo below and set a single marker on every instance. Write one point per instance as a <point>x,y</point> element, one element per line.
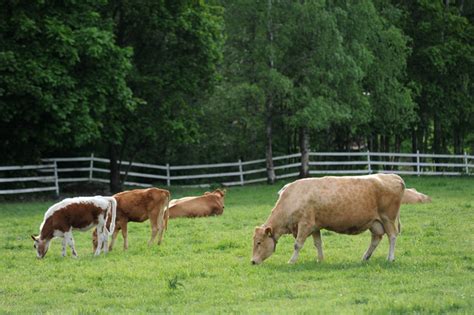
<point>203,265</point>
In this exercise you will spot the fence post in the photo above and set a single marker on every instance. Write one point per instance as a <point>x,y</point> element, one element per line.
<point>418,163</point>
<point>56,181</point>
<point>91,166</point>
<point>241,171</point>
<point>368,162</point>
<point>465,163</point>
<point>168,177</point>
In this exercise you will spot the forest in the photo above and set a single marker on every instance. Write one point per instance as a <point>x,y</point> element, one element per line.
<point>194,81</point>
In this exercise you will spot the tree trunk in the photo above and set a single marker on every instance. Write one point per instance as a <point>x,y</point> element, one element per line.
<point>414,146</point>
<point>269,121</point>
<point>304,149</point>
<point>437,135</point>
<point>457,141</point>
<point>115,185</point>
<point>269,152</point>
<point>398,144</point>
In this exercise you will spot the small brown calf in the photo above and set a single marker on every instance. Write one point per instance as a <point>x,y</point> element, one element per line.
<point>411,195</point>
<point>139,205</point>
<point>211,203</point>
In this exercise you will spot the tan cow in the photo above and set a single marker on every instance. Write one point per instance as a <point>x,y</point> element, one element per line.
<point>411,195</point>
<point>139,205</point>
<point>211,203</point>
<point>348,205</point>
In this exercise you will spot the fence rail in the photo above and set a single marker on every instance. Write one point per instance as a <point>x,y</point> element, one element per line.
<point>95,169</point>
<point>247,172</point>
<point>39,181</point>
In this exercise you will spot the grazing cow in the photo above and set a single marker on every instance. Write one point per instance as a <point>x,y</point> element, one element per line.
<point>411,195</point>
<point>139,205</point>
<point>348,205</point>
<point>79,213</point>
<point>211,203</point>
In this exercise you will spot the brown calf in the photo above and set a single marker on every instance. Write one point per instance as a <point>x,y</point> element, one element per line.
<point>211,203</point>
<point>139,205</point>
<point>411,195</point>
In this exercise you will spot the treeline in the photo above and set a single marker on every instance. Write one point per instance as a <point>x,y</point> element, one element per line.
<point>210,81</point>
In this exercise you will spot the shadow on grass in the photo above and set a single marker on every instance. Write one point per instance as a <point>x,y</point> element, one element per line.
<point>375,263</point>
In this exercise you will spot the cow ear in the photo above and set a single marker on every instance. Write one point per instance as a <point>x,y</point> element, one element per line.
<point>34,237</point>
<point>269,231</point>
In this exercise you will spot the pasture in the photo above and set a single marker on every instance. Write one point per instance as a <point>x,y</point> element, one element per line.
<point>203,265</point>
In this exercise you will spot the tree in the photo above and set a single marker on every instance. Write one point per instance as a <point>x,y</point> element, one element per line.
<point>254,49</point>
<point>177,46</point>
<point>441,66</point>
<point>325,76</point>
<point>61,75</point>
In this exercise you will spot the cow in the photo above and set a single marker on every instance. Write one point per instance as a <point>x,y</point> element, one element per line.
<point>347,205</point>
<point>211,203</point>
<point>80,213</point>
<point>411,195</point>
<point>139,205</point>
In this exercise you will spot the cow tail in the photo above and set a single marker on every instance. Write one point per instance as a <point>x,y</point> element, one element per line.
<point>166,212</point>
<point>399,225</point>
<point>113,209</point>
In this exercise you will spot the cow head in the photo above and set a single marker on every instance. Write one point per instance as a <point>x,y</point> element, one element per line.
<point>220,192</point>
<point>264,244</point>
<point>40,245</point>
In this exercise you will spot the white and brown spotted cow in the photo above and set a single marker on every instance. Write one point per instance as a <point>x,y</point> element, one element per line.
<point>348,205</point>
<point>80,213</point>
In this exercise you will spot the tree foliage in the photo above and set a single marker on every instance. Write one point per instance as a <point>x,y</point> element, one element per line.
<point>61,77</point>
<point>177,46</point>
<point>222,79</point>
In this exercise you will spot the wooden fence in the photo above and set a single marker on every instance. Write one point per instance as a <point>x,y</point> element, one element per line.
<point>246,172</point>
<point>43,177</point>
<point>94,169</point>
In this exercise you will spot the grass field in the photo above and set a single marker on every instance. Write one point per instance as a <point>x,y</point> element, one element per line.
<point>203,265</point>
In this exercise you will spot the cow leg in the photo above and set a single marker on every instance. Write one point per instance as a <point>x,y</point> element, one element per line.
<point>161,225</point>
<point>377,233</point>
<point>391,252</point>
<point>391,229</point>
<point>63,251</point>
<point>303,232</point>
<point>114,236</point>
<point>154,226</point>
<point>318,243</point>
<point>100,239</point>
<point>124,234</point>
<point>70,242</point>
<point>373,245</point>
<point>105,236</point>
<point>94,239</point>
